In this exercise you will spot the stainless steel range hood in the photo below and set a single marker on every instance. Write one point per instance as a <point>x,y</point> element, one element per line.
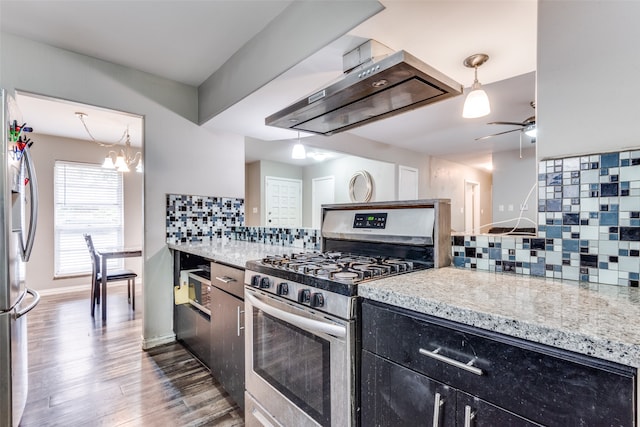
<point>372,91</point>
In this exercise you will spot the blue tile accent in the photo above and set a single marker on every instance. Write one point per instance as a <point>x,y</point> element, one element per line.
<point>554,232</point>
<point>570,246</point>
<point>608,218</point>
<point>610,160</point>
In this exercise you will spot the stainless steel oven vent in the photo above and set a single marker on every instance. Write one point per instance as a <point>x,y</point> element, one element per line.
<point>369,91</point>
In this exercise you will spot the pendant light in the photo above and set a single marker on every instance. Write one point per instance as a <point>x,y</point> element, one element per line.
<point>477,102</point>
<point>122,160</point>
<point>298,151</point>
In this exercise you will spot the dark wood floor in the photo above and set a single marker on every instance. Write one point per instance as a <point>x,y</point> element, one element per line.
<point>84,374</point>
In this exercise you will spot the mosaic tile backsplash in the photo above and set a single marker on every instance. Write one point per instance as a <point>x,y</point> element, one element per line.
<point>303,238</point>
<point>589,225</point>
<point>198,218</point>
<point>202,218</point>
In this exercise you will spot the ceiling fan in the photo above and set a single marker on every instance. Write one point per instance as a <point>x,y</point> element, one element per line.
<point>527,126</point>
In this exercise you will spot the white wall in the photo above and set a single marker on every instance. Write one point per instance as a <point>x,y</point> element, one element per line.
<point>252,194</point>
<point>342,169</point>
<point>588,77</point>
<point>513,180</point>
<point>447,181</point>
<point>180,157</point>
<point>357,146</point>
<point>46,151</point>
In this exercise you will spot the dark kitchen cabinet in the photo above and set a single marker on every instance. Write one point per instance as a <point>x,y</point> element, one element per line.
<point>393,395</point>
<point>192,327</point>
<point>192,320</point>
<point>502,380</point>
<point>227,329</point>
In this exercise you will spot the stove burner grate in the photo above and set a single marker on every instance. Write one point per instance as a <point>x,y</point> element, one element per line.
<point>337,266</point>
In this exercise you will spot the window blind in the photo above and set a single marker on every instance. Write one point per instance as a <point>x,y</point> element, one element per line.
<point>88,199</point>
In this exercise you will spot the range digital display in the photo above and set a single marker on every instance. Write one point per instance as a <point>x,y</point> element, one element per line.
<point>370,220</point>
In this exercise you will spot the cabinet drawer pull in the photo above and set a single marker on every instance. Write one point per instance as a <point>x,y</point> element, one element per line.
<point>468,416</point>
<point>225,279</point>
<point>438,402</point>
<point>435,354</point>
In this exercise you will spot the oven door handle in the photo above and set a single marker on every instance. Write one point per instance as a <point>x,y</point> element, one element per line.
<point>302,322</point>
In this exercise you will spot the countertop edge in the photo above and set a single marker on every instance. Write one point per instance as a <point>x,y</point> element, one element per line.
<point>575,341</point>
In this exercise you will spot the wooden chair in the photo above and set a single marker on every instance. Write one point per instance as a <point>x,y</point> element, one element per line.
<point>112,276</point>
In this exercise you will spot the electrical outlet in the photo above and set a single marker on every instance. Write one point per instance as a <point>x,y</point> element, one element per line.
<point>255,210</point>
<point>510,208</point>
<point>524,207</point>
<point>501,208</point>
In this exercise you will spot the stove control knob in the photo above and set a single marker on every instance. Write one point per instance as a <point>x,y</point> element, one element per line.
<point>255,280</point>
<point>317,299</point>
<point>265,283</point>
<point>283,288</point>
<point>304,296</point>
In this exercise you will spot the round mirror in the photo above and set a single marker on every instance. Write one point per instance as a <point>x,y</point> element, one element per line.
<point>361,187</point>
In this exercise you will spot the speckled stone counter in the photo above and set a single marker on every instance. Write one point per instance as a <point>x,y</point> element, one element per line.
<point>233,252</point>
<point>592,319</point>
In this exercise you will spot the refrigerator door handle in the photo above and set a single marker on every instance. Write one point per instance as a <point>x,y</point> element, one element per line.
<point>33,217</point>
<point>36,300</point>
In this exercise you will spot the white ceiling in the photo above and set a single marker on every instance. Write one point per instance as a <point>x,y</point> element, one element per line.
<point>188,40</point>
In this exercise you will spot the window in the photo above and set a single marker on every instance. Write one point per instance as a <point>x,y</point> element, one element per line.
<point>87,199</point>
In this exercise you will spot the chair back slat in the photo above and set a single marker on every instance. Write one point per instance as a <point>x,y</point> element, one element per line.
<point>92,252</point>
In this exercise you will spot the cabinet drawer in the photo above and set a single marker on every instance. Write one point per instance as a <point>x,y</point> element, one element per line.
<point>229,279</point>
<point>543,384</point>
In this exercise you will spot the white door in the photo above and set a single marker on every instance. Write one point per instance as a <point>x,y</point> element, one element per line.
<point>471,207</point>
<point>283,202</point>
<point>407,183</point>
<point>322,192</point>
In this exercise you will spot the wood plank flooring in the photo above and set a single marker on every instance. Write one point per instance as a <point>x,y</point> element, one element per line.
<point>82,373</point>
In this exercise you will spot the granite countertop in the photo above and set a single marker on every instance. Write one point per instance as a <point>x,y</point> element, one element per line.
<point>235,253</point>
<point>593,319</point>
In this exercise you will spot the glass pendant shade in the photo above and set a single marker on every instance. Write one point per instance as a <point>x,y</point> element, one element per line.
<point>298,151</point>
<point>121,165</point>
<point>108,163</point>
<point>476,104</point>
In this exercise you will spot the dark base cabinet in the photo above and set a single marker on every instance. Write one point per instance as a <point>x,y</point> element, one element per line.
<point>417,368</point>
<point>393,395</point>
<point>193,329</point>
<point>227,346</point>
<point>396,396</point>
<point>227,329</point>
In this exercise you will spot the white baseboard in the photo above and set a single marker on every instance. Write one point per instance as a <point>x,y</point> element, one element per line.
<point>157,341</point>
<point>65,290</point>
<point>76,288</point>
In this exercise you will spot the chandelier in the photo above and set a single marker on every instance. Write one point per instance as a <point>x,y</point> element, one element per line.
<point>122,160</point>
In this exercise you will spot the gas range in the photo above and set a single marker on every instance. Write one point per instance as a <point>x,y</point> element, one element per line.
<point>360,243</point>
<point>301,310</point>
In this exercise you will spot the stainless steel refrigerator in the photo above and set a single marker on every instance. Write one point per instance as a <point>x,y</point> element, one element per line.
<point>18,214</point>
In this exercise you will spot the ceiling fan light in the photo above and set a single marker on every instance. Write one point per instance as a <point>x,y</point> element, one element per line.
<point>476,104</point>
<point>298,152</point>
<point>531,131</point>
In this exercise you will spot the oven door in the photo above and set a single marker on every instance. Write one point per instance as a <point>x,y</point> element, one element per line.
<point>300,364</point>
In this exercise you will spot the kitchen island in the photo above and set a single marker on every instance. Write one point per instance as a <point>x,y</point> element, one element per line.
<point>592,319</point>
<point>463,347</point>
